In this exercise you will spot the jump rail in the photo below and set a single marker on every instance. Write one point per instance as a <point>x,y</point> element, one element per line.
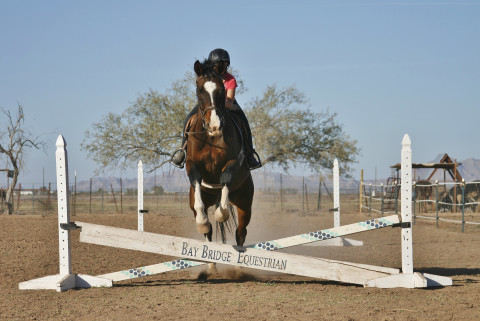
<point>258,256</point>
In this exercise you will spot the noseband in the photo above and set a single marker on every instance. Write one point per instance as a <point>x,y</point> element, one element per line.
<point>219,113</point>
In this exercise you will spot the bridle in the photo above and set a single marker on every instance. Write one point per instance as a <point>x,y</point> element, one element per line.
<point>219,113</point>
<point>204,122</point>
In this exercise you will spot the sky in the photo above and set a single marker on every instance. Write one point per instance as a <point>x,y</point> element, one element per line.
<point>387,68</point>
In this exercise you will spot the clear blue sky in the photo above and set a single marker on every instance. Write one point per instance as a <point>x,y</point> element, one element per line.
<point>386,67</point>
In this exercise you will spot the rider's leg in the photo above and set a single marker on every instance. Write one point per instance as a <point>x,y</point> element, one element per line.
<point>252,159</point>
<point>178,157</point>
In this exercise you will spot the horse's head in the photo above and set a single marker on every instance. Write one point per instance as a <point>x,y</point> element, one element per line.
<point>211,97</point>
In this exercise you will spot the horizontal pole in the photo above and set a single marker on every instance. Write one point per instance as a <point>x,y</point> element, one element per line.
<point>253,256</point>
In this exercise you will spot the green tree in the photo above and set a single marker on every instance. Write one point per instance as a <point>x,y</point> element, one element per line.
<point>148,130</point>
<point>286,132</point>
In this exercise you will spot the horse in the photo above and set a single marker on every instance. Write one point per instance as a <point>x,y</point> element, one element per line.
<point>214,161</point>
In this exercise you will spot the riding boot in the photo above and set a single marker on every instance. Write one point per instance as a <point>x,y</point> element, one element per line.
<point>179,156</point>
<point>252,158</point>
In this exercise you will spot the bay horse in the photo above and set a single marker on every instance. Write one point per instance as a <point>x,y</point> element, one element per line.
<point>214,161</point>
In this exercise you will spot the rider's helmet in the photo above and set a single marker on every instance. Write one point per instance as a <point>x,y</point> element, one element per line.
<point>218,55</point>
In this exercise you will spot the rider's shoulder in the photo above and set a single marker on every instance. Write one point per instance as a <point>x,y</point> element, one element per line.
<point>228,77</point>
<point>229,81</point>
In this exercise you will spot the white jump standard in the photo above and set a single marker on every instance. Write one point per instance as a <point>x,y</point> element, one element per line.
<point>258,256</point>
<point>65,280</point>
<point>339,241</point>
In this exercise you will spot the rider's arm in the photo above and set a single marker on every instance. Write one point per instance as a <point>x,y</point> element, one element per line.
<point>230,98</point>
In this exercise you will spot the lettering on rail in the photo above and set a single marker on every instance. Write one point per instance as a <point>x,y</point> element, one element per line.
<point>225,256</point>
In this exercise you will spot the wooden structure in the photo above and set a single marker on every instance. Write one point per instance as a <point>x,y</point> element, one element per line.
<point>257,256</point>
<point>446,163</point>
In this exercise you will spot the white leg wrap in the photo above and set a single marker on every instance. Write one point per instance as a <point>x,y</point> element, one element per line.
<point>221,213</point>
<point>201,218</point>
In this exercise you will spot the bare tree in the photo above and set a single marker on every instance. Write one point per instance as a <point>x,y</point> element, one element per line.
<point>14,142</point>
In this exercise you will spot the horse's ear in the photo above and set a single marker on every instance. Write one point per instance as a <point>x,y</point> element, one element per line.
<point>198,68</point>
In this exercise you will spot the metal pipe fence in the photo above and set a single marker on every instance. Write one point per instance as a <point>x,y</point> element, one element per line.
<point>439,201</point>
<point>116,198</point>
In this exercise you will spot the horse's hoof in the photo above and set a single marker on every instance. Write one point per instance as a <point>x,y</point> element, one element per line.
<point>212,269</point>
<point>221,216</point>
<point>203,228</point>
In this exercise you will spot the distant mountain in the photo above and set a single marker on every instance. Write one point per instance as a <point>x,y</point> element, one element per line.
<point>470,169</point>
<point>177,181</point>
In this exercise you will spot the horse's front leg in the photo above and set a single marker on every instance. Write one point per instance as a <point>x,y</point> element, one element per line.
<point>222,212</point>
<point>197,205</point>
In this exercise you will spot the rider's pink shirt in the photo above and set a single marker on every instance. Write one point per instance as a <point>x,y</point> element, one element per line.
<point>229,81</point>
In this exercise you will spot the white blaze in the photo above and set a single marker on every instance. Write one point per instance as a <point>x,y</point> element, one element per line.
<point>210,87</point>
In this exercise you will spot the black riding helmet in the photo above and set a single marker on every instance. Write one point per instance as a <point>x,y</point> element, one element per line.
<point>218,55</point>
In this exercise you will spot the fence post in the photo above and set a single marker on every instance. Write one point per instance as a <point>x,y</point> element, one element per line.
<point>381,196</point>
<point>436,201</point>
<point>114,199</point>
<point>319,202</point>
<point>370,207</point>
<point>48,197</point>
<point>121,196</point>
<point>303,194</point>
<point>18,196</point>
<point>463,205</point>
<point>90,198</point>
<point>281,193</point>
<point>306,197</point>
<point>360,193</point>
<point>33,198</point>
<point>396,197</point>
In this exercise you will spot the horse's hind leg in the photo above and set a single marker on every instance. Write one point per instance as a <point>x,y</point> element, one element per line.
<point>244,215</point>
<point>222,212</point>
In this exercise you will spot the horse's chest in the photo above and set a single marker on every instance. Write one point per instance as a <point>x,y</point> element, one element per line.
<point>215,160</point>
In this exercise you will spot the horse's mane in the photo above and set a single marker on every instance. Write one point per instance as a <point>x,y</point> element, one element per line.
<point>208,68</point>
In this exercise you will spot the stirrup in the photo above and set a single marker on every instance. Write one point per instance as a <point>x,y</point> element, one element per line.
<point>183,161</point>
<point>254,153</point>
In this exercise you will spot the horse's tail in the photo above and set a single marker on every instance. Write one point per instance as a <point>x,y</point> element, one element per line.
<point>229,226</point>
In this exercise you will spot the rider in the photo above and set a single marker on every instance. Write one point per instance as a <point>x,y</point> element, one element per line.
<point>221,59</point>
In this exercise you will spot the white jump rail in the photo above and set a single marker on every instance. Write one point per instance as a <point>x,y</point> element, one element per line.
<point>302,239</point>
<point>258,256</point>
<point>232,255</point>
